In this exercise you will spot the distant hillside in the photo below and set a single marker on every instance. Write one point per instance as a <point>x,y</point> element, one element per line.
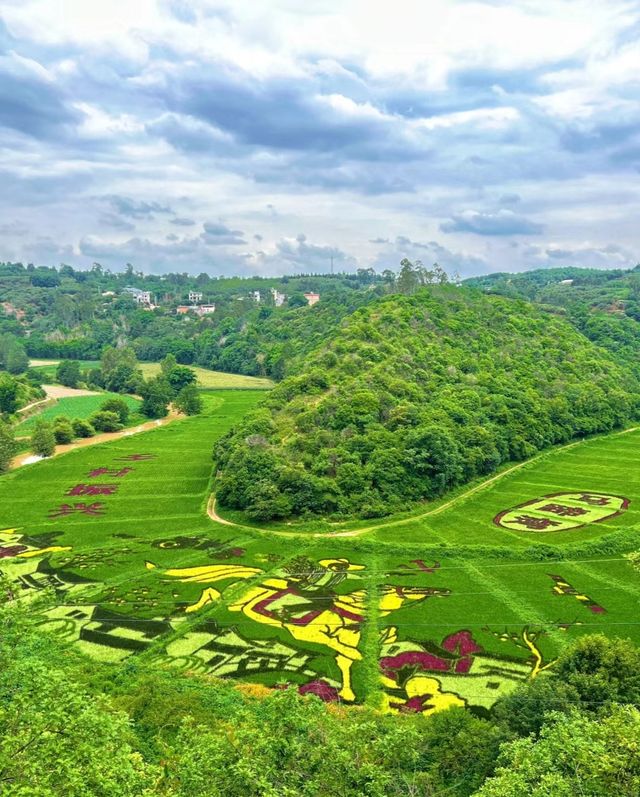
<point>603,305</point>
<point>413,395</point>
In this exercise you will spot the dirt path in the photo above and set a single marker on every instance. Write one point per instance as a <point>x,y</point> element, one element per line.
<point>27,458</point>
<point>213,514</point>
<point>60,391</point>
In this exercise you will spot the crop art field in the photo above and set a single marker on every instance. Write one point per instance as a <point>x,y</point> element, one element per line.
<point>453,606</point>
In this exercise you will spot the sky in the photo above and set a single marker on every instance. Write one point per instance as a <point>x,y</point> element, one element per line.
<point>276,136</point>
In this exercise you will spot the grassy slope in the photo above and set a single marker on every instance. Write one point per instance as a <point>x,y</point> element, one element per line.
<point>207,379</point>
<point>215,380</point>
<point>78,407</point>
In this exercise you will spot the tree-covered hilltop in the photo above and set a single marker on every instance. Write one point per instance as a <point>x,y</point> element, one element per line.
<point>413,395</point>
<point>603,305</point>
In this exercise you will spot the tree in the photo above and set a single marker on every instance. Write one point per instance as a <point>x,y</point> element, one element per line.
<point>120,372</point>
<point>68,373</point>
<point>575,755</point>
<point>117,405</point>
<point>296,300</point>
<point>179,377</point>
<point>8,446</point>
<point>58,738</point>
<point>8,394</point>
<point>82,428</point>
<point>62,431</point>
<point>168,364</point>
<point>43,441</point>
<point>601,669</point>
<point>17,360</point>
<point>188,401</point>
<point>156,395</point>
<point>105,421</point>
<point>268,502</point>
<point>407,280</point>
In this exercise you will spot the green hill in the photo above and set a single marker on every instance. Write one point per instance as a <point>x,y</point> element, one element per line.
<point>411,396</point>
<point>603,304</point>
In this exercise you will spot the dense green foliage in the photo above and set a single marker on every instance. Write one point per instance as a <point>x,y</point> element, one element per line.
<point>76,314</point>
<point>603,305</point>
<point>43,441</point>
<point>414,395</point>
<point>7,446</point>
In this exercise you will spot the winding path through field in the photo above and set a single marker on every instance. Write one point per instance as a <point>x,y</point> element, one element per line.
<point>213,513</point>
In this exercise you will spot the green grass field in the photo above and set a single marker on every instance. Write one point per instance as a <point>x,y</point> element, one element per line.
<point>215,380</point>
<point>79,407</point>
<point>207,379</point>
<point>445,607</point>
<point>48,368</point>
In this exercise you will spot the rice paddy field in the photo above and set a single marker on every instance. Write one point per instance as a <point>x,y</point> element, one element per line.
<point>452,605</point>
<point>79,407</point>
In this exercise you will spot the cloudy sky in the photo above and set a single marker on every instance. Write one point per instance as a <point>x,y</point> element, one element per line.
<point>268,136</point>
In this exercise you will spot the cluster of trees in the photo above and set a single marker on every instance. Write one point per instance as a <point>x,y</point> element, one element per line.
<point>76,727</point>
<point>120,372</point>
<point>414,395</point>
<point>112,416</point>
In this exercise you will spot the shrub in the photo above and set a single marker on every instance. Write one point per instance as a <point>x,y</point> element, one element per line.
<point>82,428</point>
<point>43,441</point>
<point>104,421</point>
<point>117,405</point>
<point>62,431</point>
<point>188,400</point>
<point>68,373</point>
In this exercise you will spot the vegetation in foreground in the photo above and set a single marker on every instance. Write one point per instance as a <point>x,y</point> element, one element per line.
<point>73,727</point>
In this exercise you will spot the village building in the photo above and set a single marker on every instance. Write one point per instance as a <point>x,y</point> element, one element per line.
<point>312,298</point>
<point>205,309</point>
<point>278,298</point>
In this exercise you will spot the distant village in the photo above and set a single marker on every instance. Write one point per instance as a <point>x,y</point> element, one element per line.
<point>147,301</point>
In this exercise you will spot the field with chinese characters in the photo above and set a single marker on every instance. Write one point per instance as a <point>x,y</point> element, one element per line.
<point>455,604</point>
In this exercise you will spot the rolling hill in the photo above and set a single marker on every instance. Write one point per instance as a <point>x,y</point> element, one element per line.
<point>412,396</point>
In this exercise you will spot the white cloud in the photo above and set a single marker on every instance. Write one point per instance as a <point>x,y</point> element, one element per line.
<point>360,122</point>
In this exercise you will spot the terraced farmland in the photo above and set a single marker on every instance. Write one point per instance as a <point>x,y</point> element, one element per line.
<point>453,606</point>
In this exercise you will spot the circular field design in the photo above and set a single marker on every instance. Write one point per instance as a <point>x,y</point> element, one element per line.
<point>562,511</point>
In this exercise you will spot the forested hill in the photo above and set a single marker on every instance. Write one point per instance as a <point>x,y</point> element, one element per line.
<point>603,304</point>
<point>413,395</point>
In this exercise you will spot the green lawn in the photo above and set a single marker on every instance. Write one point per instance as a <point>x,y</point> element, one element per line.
<point>447,609</point>
<point>215,380</point>
<point>79,407</point>
<point>48,371</point>
<point>207,379</point>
